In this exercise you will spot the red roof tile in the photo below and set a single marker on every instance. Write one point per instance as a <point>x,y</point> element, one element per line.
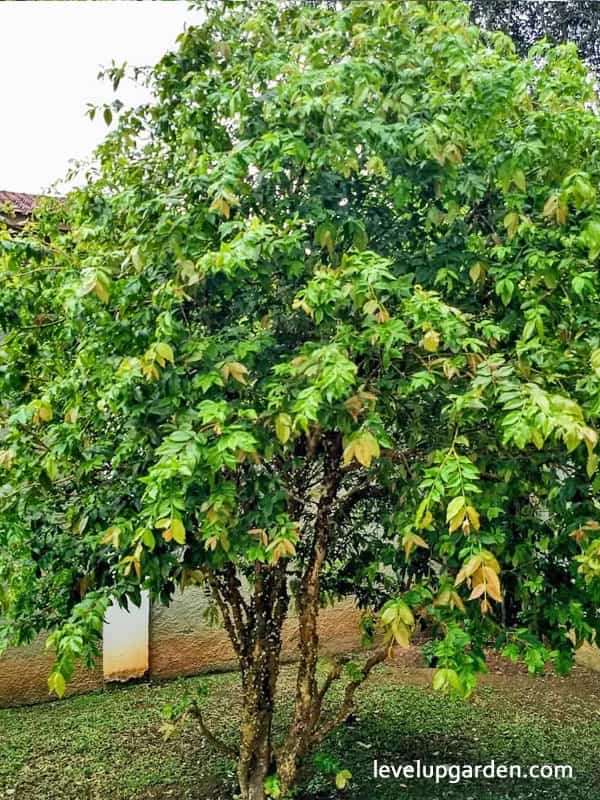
<point>19,202</point>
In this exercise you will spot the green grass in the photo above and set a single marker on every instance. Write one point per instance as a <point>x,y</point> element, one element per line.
<point>107,745</point>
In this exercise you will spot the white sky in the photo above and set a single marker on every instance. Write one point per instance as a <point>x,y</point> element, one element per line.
<point>50,55</point>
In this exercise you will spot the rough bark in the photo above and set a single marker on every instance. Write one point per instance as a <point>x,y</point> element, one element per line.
<point>298,739</point>
<point>254,628</point>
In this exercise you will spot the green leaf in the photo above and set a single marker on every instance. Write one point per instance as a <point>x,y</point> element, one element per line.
<point>455,506</point>
<point>272,786</point>
<point>511,223</point>
<point>325,236</point>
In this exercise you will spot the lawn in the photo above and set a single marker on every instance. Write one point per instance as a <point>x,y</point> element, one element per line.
<point>108,746</point>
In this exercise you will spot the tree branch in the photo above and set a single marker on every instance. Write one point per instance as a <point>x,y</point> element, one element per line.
<point>228,621</point>
<point>218,744</point>
<point>347,706</point>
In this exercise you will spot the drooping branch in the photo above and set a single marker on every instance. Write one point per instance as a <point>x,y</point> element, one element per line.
<point>332,676</point>
<point>215,741</point>
<point>354,496</point>
<point>236,633</point>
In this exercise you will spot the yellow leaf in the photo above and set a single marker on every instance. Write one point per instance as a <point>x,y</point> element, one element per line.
<point>401,633</point>
<point>348,454</point>
<point>411,540</point>
<point>100,291</point>
<point>299,303</point>
<point>150,372</point>
<point>443,598</point>
<point>455,506</point>
<point>405,614</point>
<point>362,453</point>
<point>221,205</point>
<point>281,548</point>
<point>477,591</point>
<point>469,568</point>
<point>57,684</point>
<point>354,405</point>
<point>493,584</point>
<point>476,272</point>
<point>164,352</point>
<point>366,448</point>
<point>460,577</point>
<point>456,521</point>
<point>45,413</point>
<point>478,576</point>
<point>234,370</point>
<point>111,536</point>
<point>177,530</point>
<point>511,223</point>
<point>490,561</point>
<point>425,520</point>
<point>71,415</point>
<point>431,341</point>
<point>456,601</point>
<point>497,596</point>
<point>590,437</point>
<point>555,209</point>
<point>473,517</point>
<point>283,427</point>
<point>7,458</point>
<point>342,778</point>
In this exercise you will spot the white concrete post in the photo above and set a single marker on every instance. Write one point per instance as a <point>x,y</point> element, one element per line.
<point>126,647</point>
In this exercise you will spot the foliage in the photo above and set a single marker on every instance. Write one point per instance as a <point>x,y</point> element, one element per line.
<point>323,320</point>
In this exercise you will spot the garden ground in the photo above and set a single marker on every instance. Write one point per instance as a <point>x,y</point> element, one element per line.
<point>108,745</point>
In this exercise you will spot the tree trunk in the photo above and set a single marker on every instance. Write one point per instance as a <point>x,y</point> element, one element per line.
<point>255,752</point>
<point>260,662</point>
<point>307,701</point>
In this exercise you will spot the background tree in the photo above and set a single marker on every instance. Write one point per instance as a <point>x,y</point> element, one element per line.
<point>323,319</point>
<point>560,22</point>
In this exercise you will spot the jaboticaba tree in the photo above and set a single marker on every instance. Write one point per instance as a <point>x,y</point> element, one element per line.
<point>323,320</point>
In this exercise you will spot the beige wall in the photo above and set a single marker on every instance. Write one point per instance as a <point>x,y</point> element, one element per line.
<point>24,674</point>
<point>182,643</point>
<point>179,642</point>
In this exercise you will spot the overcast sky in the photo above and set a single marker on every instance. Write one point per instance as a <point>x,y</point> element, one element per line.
<point>50,54</point>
